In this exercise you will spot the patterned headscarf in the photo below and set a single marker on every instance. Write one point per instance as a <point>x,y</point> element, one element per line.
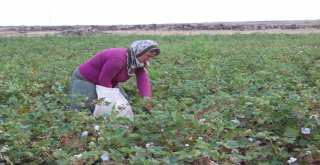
<point>137,49</point>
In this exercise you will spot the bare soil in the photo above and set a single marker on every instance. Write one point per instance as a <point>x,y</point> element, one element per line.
<point>268,27</point>
<point>4,33</point>
<point>191,32</point>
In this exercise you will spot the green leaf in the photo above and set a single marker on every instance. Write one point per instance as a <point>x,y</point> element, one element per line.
<point>231,144</point>
<point>291,134</point>
<point>176,116</point>
<point>60,154</point>
<point>125,149</point>
<point>195,153</point>
<point>237,158</point>
<point>214,154</point>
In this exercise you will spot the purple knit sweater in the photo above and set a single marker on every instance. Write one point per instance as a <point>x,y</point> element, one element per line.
<point>109,67</point>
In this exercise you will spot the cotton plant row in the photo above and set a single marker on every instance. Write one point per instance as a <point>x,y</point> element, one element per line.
<point>235,99</point>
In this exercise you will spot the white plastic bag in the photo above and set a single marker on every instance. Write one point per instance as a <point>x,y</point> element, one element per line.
<point>117,102</point>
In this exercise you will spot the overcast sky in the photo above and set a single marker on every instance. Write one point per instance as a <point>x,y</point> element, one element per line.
<point>116,12</point>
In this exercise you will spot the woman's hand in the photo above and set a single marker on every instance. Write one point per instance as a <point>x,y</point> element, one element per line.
<point>147,109</point>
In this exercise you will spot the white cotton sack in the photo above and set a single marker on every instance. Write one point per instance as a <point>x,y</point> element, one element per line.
<point>116,100</point>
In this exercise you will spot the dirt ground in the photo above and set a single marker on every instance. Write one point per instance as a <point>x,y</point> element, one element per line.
<point>5,32</point>
<point>274,31</point>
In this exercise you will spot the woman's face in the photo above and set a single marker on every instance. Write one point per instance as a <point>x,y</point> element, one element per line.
<point>147,57</point>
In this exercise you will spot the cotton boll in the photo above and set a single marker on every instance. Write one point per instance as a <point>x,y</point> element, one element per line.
<point>291,160</point>
<point>105,157</point>
<point>305,130</point>
<point>84,133</point>
<point>250,139</point>
<point>96,127</point>
<point>149,145</point>
<point>201,121</point>
<point>308,152</point>
<point>249,104</point>
<point>236,121</point>
<point>78,156</point>
<point>200,138</point>
<point>4,148</point>
<point>235,151</point>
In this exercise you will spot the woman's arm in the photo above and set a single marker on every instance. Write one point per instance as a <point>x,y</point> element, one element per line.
<point>143,83</point>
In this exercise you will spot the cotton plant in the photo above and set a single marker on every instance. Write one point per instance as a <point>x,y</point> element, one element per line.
<point>4,148</point>
<point>235,121</point>
<point>300,52</point>
<point>191,121</point>
<point>315,117</point>
<point>308,152</point>
<point>235,151</point>
<point>249,103</point>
